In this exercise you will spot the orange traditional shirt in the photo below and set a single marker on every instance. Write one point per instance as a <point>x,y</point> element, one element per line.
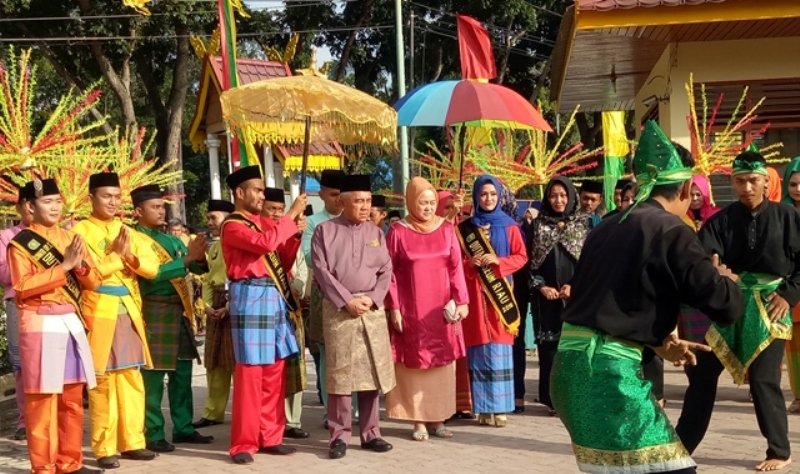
<point>35,287</point>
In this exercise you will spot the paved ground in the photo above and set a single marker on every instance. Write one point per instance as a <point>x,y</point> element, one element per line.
<point>531,443</point>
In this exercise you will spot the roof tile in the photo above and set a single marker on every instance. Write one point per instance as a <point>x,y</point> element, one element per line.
<point>607,5</point>
<point>251,70</point>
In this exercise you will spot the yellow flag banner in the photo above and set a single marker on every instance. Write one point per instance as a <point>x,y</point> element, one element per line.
<point>617,149</point>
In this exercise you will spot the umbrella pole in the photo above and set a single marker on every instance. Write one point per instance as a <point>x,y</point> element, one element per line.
<point>462,150</point>
<point>306,145</point>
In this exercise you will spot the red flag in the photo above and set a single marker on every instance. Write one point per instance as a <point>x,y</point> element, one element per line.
<point>475,45</point>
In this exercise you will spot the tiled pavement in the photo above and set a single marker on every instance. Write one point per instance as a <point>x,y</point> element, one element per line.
<point>531,443</point>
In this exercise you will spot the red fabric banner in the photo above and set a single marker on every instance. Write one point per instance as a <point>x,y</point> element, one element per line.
<point>475,46</point>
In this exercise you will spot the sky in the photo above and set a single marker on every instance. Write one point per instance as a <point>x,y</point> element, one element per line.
<point>323,54</point>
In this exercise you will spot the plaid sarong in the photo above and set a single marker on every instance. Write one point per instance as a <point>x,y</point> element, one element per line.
<point>168,335</point>
<point>296,364</point>
<point>491,375</point>
<point>260,327</point>
<point>219,346</point>
<point>693,325</point>
<point>12,333</point>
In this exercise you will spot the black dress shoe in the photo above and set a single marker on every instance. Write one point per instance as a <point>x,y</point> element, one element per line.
<point>325,425</point>
<point>87,470</point>
<point>519,409</point>
<point>338,449</point>
<point>139,455</point>
<point>194,438</point>
<point>243,458</point>
<point>378,445</point>
<point>108,462</point>
<point>19,435</point>
<point>279,450</point>
<point>295,433</point>
<point>205,423</point>
<point>160,446</point>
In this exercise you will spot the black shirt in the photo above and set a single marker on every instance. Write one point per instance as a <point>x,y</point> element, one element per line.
<point>633,276</point>
<point>767,241</point>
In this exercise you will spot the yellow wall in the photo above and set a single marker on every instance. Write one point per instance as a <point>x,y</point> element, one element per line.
<point>716,61</point>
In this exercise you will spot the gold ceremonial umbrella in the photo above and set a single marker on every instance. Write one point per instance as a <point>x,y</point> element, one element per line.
<point>301,109</point>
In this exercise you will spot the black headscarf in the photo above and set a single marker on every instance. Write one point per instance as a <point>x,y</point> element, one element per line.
<point>572,199</point>
<point>568,228</point>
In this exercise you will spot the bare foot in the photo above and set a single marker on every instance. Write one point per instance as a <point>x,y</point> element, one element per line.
<point>773,464</point>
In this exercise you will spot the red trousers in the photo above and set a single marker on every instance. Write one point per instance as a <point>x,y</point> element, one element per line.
<point>259,415</point>
<point>54,426</point>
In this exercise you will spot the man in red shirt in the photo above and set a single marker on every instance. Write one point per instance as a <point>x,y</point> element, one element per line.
<point>256,252</point>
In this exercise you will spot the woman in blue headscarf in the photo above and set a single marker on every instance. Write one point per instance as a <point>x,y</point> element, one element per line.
<point>493,250</point>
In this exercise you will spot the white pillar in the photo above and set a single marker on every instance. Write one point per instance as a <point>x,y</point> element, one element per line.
<point>294,185</point>
<point>279,181</point>
<point>269,167</point>
<point>212,143</point>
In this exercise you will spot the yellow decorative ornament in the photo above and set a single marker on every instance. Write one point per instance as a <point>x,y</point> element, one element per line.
<point>138,5</point>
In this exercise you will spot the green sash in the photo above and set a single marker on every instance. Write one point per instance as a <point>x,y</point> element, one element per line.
<point>46,256</point>
<point>499,290</point>
<point>275,269</point>
<point>738,345</point>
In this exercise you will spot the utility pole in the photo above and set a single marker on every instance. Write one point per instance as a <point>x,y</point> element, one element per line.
<point>411,79</point>
<point>401,180</point>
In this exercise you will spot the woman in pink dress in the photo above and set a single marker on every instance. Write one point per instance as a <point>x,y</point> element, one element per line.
<point>428,274</point>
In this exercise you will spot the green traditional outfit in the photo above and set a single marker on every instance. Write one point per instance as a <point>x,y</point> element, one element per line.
<point>761,244</point>
<point>635,270</point>
<point>170,337</point>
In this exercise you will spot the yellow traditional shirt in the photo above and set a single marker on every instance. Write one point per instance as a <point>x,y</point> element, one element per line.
<point>217,273</point>
<point>101,309</point>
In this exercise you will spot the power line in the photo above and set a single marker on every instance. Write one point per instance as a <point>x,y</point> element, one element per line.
<point>537,7</point>
<point>201,35</point>
<point>517,51</point>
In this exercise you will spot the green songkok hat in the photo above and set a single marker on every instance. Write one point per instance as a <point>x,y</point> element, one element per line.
<point>743,165</point>
<point>656,163</point>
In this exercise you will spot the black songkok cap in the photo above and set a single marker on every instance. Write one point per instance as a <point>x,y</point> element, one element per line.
<point>39,188</point>
<point>146,193</point>
<point>309,211</point>
<point>393,214</point>
<point>332,179</point>
<point>592,187</point>
<point>378,200</point>
<point>101,180</point>
<point>21,194</point>
<point>274,195</point>
<point>220,205</point>
<point>356,182</point>
<point>241,175</point>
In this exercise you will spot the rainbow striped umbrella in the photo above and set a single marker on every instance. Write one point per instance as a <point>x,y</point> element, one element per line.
<point>470,103</point>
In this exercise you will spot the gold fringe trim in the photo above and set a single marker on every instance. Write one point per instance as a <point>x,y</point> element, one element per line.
<point>734,366</point>
<point>663,453</point>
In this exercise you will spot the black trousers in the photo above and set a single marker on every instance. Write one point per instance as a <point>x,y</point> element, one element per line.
<point>519,354</point>
<point>768,400</point>
<point>547,354</point>
<point>653,371</point>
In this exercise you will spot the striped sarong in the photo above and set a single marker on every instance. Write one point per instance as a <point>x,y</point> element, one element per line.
<point>614,421</point>
<point>491,375</point>
<point>260,329</point>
